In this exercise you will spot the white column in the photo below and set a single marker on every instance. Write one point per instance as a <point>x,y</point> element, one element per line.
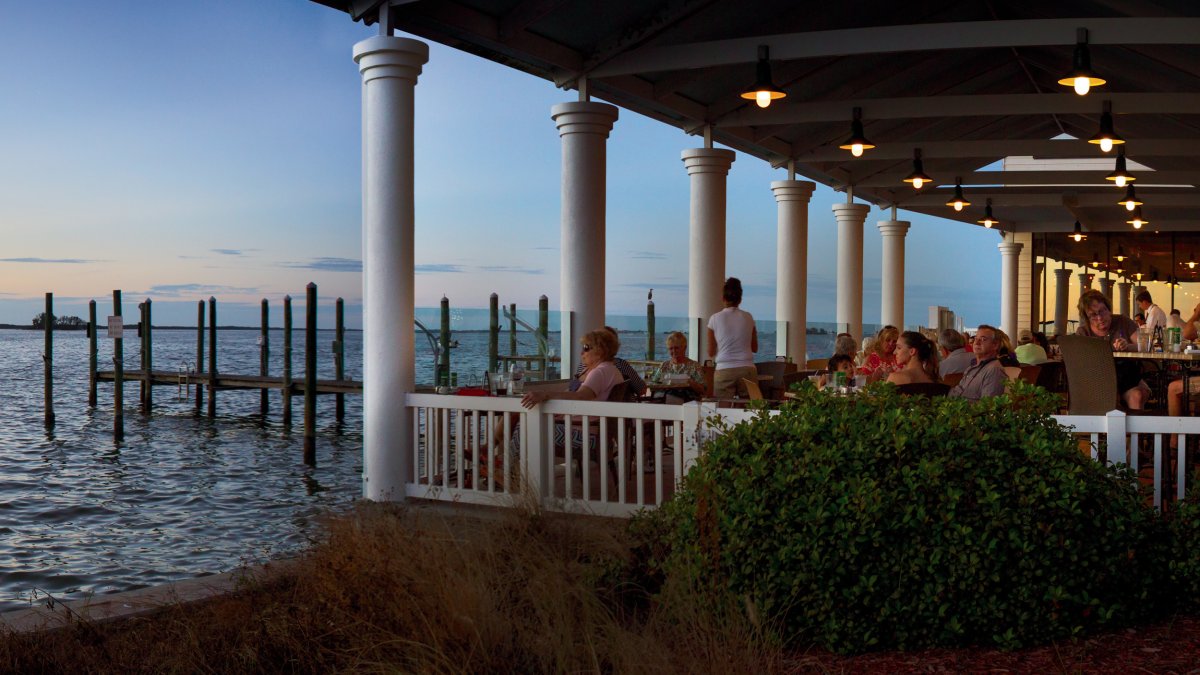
<point>1009,254</point>
<point>583,127</point>
<point>708,168</point>
<point>1062,300</point>
<point>1123,298</point>
<point>850,219</point>
<point>791,265</point>
<point>389,67</point>
<point>892,298</point>
<point>1106,287</point>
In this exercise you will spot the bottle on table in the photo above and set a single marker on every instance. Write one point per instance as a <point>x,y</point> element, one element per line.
<point>1157,344</point>
<point>516,378</point>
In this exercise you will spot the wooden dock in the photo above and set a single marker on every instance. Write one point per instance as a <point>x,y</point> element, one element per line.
<point>231,382</point>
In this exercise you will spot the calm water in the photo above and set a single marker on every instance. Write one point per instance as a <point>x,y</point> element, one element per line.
<point>181,496</point>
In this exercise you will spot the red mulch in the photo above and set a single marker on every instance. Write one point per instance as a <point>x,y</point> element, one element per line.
<point>1169,647</point>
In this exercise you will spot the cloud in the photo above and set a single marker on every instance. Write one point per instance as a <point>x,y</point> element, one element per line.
<point>435,268</point>
<point>515,270</point>
<point>647,255</point>
<point>182,290</point>
<point>65,261</point>
<point>227,251</point>
<point>545,248</point>
<point>330,265</point>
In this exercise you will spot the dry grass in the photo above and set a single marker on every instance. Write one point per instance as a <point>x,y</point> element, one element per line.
<point>394,590</point>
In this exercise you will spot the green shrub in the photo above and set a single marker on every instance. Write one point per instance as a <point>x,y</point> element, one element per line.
<point>882,521</point>
<point>1184,562</point>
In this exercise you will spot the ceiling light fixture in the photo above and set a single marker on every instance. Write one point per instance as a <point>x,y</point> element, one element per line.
<point>1130,202</point>
<point>1120,253</point>
<point>1095,261</point>
<point>958,201</point>
<point>1191,261</point>
<point>988,219</point>
<point>764,90</point>
<point>1078,234</point>
<point>1136,219</point>
<point>1120,176</point>
<point>857,141</point>
<point>1107,137</point>
<point>1081,77</point>
<point>918,177</point>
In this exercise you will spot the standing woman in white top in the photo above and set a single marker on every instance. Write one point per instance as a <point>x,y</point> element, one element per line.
<point>732,341</point>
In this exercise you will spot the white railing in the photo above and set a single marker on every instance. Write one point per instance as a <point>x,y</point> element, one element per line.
<point>626,456</point>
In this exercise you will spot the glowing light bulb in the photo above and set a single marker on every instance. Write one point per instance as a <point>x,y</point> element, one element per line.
<point>762,98</point>
<point>856,149</point>
<point>958,205</point>
<point>1077,237</point>
<point>1120,181</point>
<point>1191,265</point>
<point>1105,144</point>
<point>1129,205</point>
<point>917,183</point>
<point>988,224</point>
<point>1082,86</point>
<point>1137,223</point>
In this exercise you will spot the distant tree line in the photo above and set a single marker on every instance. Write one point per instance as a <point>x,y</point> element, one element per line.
<point>63,322</point>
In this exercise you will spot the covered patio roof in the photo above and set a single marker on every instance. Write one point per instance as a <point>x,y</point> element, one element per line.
<point>968,83</point>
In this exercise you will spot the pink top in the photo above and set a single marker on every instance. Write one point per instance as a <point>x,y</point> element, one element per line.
<point>601,379</point>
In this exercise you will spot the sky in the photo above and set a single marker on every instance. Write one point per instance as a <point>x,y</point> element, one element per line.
<point>178,151</point>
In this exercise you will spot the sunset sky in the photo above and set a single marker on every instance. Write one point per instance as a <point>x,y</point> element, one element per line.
<point>182,150</point>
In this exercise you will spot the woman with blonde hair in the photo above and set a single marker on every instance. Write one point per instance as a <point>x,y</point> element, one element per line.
<point>679,368</point>
<point>881,360</point>
<point>600,375</point>
<point>916,358</point>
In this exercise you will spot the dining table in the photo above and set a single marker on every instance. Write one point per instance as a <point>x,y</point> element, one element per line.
<point>1189,363</point>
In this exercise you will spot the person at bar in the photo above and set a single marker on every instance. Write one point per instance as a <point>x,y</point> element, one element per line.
<point>732,343</point>
<point>679,367</point>
<point>1096,319</point>
<point>1155,316</point>
<point>986,376</point>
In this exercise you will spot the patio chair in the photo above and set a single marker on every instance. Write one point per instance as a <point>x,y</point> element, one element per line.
<point>952,379</point>
<point>777,370</point>
<point>1012,372</point>
<point>753,392</point>
<point>817,364</point>
<point>1091,375</point>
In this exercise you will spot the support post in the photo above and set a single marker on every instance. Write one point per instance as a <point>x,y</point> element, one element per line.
<point>199,355</point>
<point>287,361</point>
<point>791,266</point>
<point>310,374</point>
<point>1010,252</point>
<point>339,357</point>
<point>544,331</point>
<point>512,329</point>
<point>708,171</point>
<point>850,219</point>
<point>493,332</point>
<point>48,359</point>
<point>1062,298</point>
<point>650,331</point>
<point>118,377</point>
<point>264,355</point>
<point>212,357</point>
<point>142,356</point>
<point>442,377</point>
<point>892,297</point>
<point>93,353</point>
<point>147,356</point>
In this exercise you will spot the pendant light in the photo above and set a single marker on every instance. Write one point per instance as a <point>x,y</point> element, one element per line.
<point>1136,219</point>
<point>764,90</point>
<point>1130,202</point>
<point>1191,261</point>
<point>1081,77</point>
<point>1078,234</point>
<point>857,141</point>
<point>1095,261</point>
<point>918,178</point>
<point>1120,176</point>
<point>957,202</point>
<point>988,219</point>
<point>1107,137</point>
<point>1120,253</point>
<point>1139,275</point>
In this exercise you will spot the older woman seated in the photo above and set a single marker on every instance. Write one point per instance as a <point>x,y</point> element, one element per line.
<point>600,375</point>
<point>1097,320</point>
<point>681,370</point>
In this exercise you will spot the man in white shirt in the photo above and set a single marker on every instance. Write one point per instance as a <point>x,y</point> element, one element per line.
<point>1155,317</point>
<point>1174,319</point>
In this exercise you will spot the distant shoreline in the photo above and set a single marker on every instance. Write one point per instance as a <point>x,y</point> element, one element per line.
<point>133,327</point>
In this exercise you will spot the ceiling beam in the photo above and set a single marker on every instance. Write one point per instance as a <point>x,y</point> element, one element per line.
<point>1008,199</point>
<point>991,149</point>
<point>1062,179</point>
<point>1106,225</point>
<point>909,38</point>
<point>983,105</point>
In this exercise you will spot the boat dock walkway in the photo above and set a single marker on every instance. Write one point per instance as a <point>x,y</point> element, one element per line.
<point>231,381</point>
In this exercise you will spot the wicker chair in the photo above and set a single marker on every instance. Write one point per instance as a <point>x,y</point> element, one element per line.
<point>1091,375</point>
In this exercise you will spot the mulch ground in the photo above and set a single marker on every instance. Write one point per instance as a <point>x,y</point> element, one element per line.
<point>1169,647</point>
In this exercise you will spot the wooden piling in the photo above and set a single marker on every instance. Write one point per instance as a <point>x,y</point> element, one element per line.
<point>212,357</point>
<point>512,329</point>
<point>118,377</point>
<point>287,361</point>
<point>493,332</point>
<point>264,352</point>
<point>442,377</point>
<point>543,329</point>
<point>143,385</point>
<point>650,331</point>
<point>147,353</point>
<point>199,355</point>
<point>339,356</point>
<point>310,374</point>
<point>48,359</point>
<point>92,354</point>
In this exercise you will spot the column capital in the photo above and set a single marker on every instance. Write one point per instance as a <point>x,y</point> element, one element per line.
<point>1010,248</point>
<point>852,212</point>
<point>793,190</point>
<point>1062,273</point>
<point>893,228</point>
<point>387,56</point>
<point>707,160</point>
<point>584,117</point>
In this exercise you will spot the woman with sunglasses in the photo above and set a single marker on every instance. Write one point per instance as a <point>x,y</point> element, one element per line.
<point>599,376</point>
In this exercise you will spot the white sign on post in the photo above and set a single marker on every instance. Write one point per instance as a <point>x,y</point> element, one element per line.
<point>116,326</point>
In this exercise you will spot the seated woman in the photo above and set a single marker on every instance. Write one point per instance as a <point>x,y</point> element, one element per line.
<point>917,359</point>
<point>1008,355</point>
<point>1175,389</point>
<point>600,375</point>
<point>1097,320</point>
<point>679,367</point>
<point>881,360</point>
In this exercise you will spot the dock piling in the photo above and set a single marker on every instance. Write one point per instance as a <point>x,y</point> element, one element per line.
<point>264,352</point>
<point>48,359</point>
<point>199,355</point>
<point>147,390</point>
<point>310,375</point>
<point>442,376</point>
<point>543,326</point>
<point>493,332</point>
<point>92,354</point>
<point>339,357</point>
<point>287,361</point>
<point>212,357</point>
<point>650,330</point>
<point>118,376</point>
<point>512,329</point>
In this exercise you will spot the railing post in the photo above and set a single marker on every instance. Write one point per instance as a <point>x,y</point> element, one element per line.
<point>533,460</point>
<point>693,418</point>
<point>1115,424</point>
